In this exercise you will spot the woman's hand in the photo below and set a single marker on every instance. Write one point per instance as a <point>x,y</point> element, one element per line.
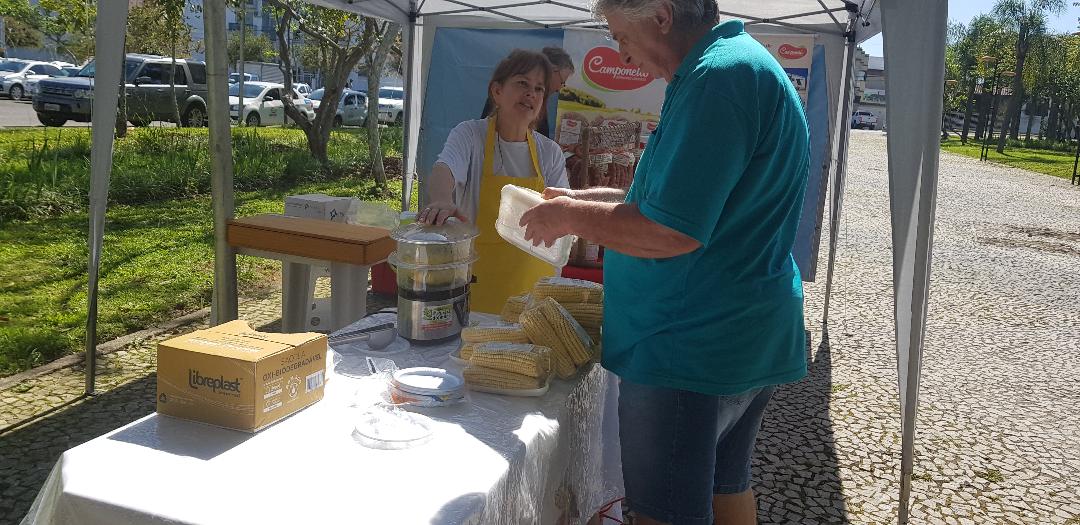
<point>438,212</point>
<point>551,193</point>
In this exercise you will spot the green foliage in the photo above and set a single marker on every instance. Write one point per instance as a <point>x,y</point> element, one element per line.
<point>1057,161</point>
<point>46,172</point>
<point>257,48</point>
<point>156,26</point>
<point>157,262</point>
<point>574,95</point>
<point>19,34</point>
<point>67,24</point>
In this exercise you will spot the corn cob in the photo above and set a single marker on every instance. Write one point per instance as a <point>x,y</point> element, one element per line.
<point>587,315</point>
<point>488,334</point>
<point>571,335</point>
<point>511,311</point>
<point>530,360</point>
<point>466,350</point>
<point>568,290</point>
<point>492,378</point>
<point>594,334</point>
<point>541,333</point>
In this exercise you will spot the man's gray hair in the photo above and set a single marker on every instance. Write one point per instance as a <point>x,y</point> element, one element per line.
<point>686,14</point>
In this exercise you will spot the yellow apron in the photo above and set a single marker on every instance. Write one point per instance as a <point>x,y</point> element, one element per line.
<point>502,269</point>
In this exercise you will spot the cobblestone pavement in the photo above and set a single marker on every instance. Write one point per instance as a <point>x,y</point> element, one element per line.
<point>998,432</point>
<point>998,436</point>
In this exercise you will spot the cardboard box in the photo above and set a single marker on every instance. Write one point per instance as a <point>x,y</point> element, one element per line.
<point>322,240</point>
<point>317,206</point>
<point>234,377</point>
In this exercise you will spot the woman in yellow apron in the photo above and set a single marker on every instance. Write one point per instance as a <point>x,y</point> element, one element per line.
<point>479,158</point>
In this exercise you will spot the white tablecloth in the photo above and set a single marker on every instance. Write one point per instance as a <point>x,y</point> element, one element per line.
<point>493,459</point>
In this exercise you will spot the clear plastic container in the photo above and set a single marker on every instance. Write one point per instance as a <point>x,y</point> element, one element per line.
<point>515,201</point>
<point>419,243</point>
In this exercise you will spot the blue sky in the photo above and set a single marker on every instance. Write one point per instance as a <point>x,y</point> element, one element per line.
<point>964,10</point>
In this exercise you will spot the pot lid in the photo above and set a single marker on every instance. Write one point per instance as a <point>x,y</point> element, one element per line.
<point>451,232</point>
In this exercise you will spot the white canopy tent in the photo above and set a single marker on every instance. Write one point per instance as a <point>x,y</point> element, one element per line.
<point>914,33</point>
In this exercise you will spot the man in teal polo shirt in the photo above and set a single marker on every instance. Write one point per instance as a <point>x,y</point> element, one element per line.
<point>703,301</point>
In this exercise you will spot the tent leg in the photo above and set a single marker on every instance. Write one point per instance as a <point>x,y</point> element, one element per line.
<point>223,305</point>
<point>839,178</point>
<point>110,48</point>
<point>914,36</point>
<point>411,121</point>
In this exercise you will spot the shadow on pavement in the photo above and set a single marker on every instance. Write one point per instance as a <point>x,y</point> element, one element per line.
<point>796,472</point>
<point>28,453</point>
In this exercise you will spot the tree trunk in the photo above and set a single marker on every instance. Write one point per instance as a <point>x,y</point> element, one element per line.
<point>1013,106</point>
<point>241,70</point>
<point>1030,124</point>
<point>984,115</point>
<point>121,112</point>
<point>375,63</point>
<point>967,112</point>
<point>172,72</point>
<point>1051,126</point>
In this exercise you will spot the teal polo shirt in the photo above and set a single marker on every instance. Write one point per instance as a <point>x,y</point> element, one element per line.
<point>727,165</point>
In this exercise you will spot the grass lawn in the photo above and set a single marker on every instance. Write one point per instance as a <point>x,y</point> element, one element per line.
<point>157,261</point>
<point>1056,163</point>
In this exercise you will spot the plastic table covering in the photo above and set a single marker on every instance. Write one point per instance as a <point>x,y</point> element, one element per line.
<point>492,459</point>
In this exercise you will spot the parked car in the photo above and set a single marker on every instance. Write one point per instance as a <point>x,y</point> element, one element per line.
<point>263,105</point>
<point>32,84</point>
<point>391,104</point>
<point>864,120</point>
<point>351,110</point>
<point>302,88</point>
<point>234,78</point>
<point>146,80</point>
<point>14,74</point>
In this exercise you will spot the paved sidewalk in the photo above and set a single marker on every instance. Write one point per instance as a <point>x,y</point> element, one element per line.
<point>998,438</point>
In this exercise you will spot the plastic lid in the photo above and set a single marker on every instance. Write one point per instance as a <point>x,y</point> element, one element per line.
<point>390,428</point>
<point>450,232</point>
<point>424,380</point>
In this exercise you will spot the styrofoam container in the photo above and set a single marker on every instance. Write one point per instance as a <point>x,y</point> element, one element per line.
<point>514,202</point>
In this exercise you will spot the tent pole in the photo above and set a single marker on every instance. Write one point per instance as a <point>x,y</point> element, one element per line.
<point>839,175</point>
<point>914,37</point>
<point>109,48</point>
<point>223,306</point>
<point>411,120</point>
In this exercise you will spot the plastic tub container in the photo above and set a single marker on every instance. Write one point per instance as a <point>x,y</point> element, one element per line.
<point>515,201</point>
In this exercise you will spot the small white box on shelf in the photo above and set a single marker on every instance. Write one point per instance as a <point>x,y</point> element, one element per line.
<point>317,206</point>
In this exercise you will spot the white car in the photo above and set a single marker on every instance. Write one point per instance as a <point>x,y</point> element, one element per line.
<point>391,104</point>
<point>15,73</point>
<point>351,110</point>
<point>864,120</point>
<point>263,105</point>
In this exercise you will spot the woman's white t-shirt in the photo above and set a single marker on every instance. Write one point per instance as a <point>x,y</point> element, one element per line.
<point>464,155</point>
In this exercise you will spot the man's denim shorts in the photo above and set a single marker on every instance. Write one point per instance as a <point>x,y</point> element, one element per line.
<point>679,448</point>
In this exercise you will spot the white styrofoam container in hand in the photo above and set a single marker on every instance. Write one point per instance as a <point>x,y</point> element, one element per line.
<point>514,202</point>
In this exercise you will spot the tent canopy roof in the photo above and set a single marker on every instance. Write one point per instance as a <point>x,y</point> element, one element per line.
<point>819,16</point>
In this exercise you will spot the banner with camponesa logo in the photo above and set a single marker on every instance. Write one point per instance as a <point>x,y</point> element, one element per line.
<point>794,54</point>
<point>604,88</point>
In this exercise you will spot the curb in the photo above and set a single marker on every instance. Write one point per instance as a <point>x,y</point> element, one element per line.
<point>103,349</point>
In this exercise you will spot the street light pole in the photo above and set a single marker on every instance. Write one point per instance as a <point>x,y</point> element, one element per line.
<point>984,154</point>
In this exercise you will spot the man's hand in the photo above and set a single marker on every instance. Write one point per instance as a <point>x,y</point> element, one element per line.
<point>438,212</point>
<point>549,220</point>
<point>551,193</point>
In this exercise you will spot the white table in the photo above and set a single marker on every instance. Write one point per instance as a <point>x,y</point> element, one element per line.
<point>494,459</point>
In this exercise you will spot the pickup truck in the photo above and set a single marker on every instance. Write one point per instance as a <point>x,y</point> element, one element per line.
<point>146,80</point>
<point>864,120</point>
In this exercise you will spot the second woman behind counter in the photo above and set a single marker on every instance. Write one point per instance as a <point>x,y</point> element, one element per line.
<point>480,157</point>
